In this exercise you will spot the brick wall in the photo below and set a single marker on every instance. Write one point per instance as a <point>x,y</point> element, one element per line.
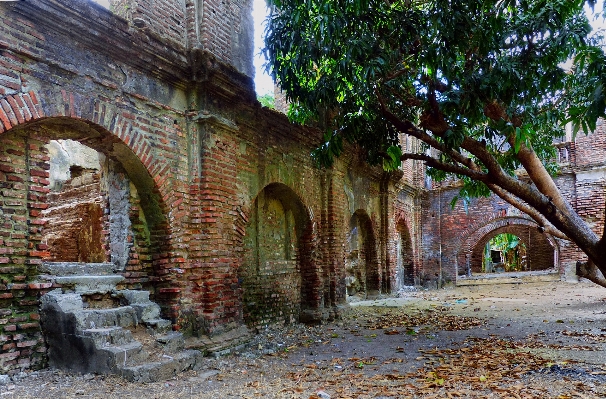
<point>74,221</point>
<point>362,263</point>
<point>54,84</point>
<point>228,222</point>
<point>23,183</point>
<point>270,274</point>
<point>452,238</point>
<point>539,250</point>
<point>163,18</point>
<point>249,198</point>
<point>225,28</point>
<point>222,27</point>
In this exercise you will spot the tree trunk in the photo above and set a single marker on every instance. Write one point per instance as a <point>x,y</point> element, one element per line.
<point>590,271</point>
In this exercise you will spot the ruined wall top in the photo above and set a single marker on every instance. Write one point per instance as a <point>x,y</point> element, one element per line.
<point>222,27</point>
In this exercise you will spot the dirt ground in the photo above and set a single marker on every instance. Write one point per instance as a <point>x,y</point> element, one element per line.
<point>543,340</point>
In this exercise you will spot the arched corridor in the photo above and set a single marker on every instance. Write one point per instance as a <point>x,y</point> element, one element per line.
<point>405,272</point>
<point>540,252</point>
<point>92,202</point>
<point>361,264</point>
<point>276,273</point>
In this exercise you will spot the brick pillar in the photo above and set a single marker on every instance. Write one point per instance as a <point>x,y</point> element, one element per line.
<point>23,184</point>
<point>213,296</point>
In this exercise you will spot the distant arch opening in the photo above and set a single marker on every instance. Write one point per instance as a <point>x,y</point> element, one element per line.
<point>361,265</point>
<point>512,248</point>
<point>505,252</point>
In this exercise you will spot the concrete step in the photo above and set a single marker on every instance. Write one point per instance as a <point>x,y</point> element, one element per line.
<point>77,268</point>
<point>171,342</point>
<point>158,326</point>
<point>133,296</point>
<point>164,369</point>
<point>123,316</point>
<point>110,341</point>
<point>139,300</point>
<point>124,355</point>
<point>508,278</point>
<point>107,336</point>
<point>63,303</point>
<point>89,284</point>
<point>234,339</point>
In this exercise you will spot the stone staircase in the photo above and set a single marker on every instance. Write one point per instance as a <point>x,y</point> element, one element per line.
<point>92,326</point>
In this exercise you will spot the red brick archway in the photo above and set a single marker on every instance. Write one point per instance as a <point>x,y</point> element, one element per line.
<point>27,127</point>
<point>405,268</point>
<point>542,249</point>
<point>362,266</point>
<point>278,274</point>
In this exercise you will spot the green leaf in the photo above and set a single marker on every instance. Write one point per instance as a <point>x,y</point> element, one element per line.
<point>453,72</point>
<point>394,161</point>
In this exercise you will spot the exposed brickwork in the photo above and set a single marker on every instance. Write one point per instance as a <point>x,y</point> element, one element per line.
<point>226,220</point>
<point>164,18</point>
<point>269,273</point>
<point>362,262</point>
<point>452,238</point>
<point>540,255</point>
<point>74,221</point>
<point>139,128</point>
<point>225,29</point>
<point>23,181</point>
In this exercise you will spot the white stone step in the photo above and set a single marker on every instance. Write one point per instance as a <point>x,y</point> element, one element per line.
<point>88,285</point>
<point>124,316</point>
<point>77,268</point>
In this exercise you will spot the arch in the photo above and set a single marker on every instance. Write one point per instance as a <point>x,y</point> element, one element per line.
<point>278,273</point>
<point>542,249</point>
<point>29,129</point>
<point>361,263</point>
<point>90,120</point>
<point>522,262</point>
<point>23,108</point>
<point>405,268</point>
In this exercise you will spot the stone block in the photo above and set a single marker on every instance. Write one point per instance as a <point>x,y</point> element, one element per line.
<point>89,284</point>
<point>56,300</point>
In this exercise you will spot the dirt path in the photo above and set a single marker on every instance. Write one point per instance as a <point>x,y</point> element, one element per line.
<point>508,341</point>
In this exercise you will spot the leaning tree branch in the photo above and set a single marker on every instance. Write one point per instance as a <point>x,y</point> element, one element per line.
<point>446,167</point>
<point>527,193</point>
<point>530,161</point>
<point>497,175</point>
<point>563,216</point>
<point>560,217</point>
<point>478,149</point>
<point>412,130</point>
<point>544,196</point>
<point>543,223</point>
<point>590,271</point>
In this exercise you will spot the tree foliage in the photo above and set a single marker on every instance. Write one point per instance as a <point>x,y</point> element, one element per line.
<point>267,100</point>
<point>511,248</point>
<point>487,84</point>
